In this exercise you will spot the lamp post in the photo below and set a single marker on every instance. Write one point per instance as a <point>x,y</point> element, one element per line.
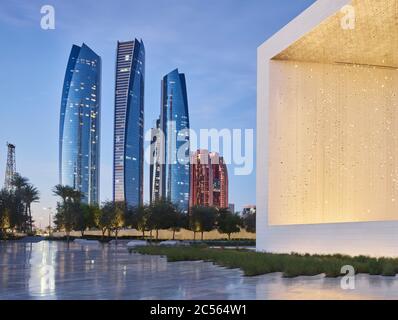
<point>49,220</point>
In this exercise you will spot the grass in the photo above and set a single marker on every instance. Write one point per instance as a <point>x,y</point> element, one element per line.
<point>229,243</point>
<point>291,265</point>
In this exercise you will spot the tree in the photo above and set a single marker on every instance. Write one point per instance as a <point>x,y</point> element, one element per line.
<point>68,211</point>
<point>18,213</point>
<point>104,221</point>
<point>86,216</point>
<point>118,217</point>
<point>19,182</point>
<point>228,222</point>
<point>15,210</point>
<point>94,216</point>
<point>177,221</point>
<point>30,194</point>
<point>5,198</point>
<point>76,196</point>
<point>249,222</point>
<point>129,216</point>
<point>67,193</point>
<point>113,216</point>
<point>140,217</point>
<point>82,216</point>
<point>4,223</point>
<point>202,219</point>
<point>62,191</point>
<point>161,212</point>
<point>64,218</point>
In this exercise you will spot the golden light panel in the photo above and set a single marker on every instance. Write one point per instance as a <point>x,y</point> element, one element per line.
<point>333,121</point>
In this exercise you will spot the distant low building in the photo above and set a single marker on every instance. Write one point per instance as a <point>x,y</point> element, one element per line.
<point>231,207</point>
<point>250,208</point>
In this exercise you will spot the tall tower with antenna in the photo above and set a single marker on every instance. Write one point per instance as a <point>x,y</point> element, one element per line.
<point>11,166</point>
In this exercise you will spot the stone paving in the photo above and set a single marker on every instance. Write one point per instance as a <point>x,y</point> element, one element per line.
<point>56,270</point>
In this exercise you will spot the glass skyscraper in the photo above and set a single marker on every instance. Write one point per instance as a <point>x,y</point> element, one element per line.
<point>79,131</point>
<point>128,155</point>
<point>174,124</point>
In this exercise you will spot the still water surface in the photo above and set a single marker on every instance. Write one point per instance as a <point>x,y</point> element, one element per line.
<point>56,270</point>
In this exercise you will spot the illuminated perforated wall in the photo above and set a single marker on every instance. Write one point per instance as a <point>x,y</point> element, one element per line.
<point>327,131</point>
<point>333,150</point>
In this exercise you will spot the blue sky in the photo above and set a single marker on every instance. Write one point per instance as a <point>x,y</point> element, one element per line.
<point>213,42</point>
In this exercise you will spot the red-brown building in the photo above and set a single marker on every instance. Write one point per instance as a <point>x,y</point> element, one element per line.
<point>209,180</point>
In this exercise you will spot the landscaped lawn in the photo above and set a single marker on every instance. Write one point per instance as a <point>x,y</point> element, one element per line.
<point>291,265</point>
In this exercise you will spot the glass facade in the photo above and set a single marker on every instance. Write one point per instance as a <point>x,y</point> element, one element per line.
<point>129,123</point>
<point>79,132</point>
<point>174,124</point>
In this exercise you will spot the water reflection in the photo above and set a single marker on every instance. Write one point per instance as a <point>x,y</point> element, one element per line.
<point>42,269</point>
<point>56,270</point>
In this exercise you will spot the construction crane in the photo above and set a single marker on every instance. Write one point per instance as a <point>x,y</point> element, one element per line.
<point>11,166</point>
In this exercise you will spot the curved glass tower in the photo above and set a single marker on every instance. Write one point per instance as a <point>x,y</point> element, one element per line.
<point>79,131</point>
<point>174,123</point>
<point>128,155</point>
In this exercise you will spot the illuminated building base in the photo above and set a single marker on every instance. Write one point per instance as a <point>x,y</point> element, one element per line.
<point>327,166</point>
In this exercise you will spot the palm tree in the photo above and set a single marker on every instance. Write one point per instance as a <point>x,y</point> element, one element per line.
<point>30,194</point>
<point>76,196</point>
<point>68,209</point>
<point>63,191</point>
<point>5,205</point>
<point>19,182</point>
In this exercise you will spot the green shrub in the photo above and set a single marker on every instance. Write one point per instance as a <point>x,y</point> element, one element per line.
<point>374,267</point>
<point>388,270</point>
<point>291,265</point>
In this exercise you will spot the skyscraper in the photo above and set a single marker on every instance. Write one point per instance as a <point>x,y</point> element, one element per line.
<point>79,131</point>
<point>128,154</point>
<point>220,181</point>
<point>155,167</point>
<point>209,180</point>
<point>174,150</point>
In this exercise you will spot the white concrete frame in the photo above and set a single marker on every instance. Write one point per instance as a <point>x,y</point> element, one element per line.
<point>368,238</point>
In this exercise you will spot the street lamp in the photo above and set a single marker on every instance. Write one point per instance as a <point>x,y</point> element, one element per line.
<point>49,220</point>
